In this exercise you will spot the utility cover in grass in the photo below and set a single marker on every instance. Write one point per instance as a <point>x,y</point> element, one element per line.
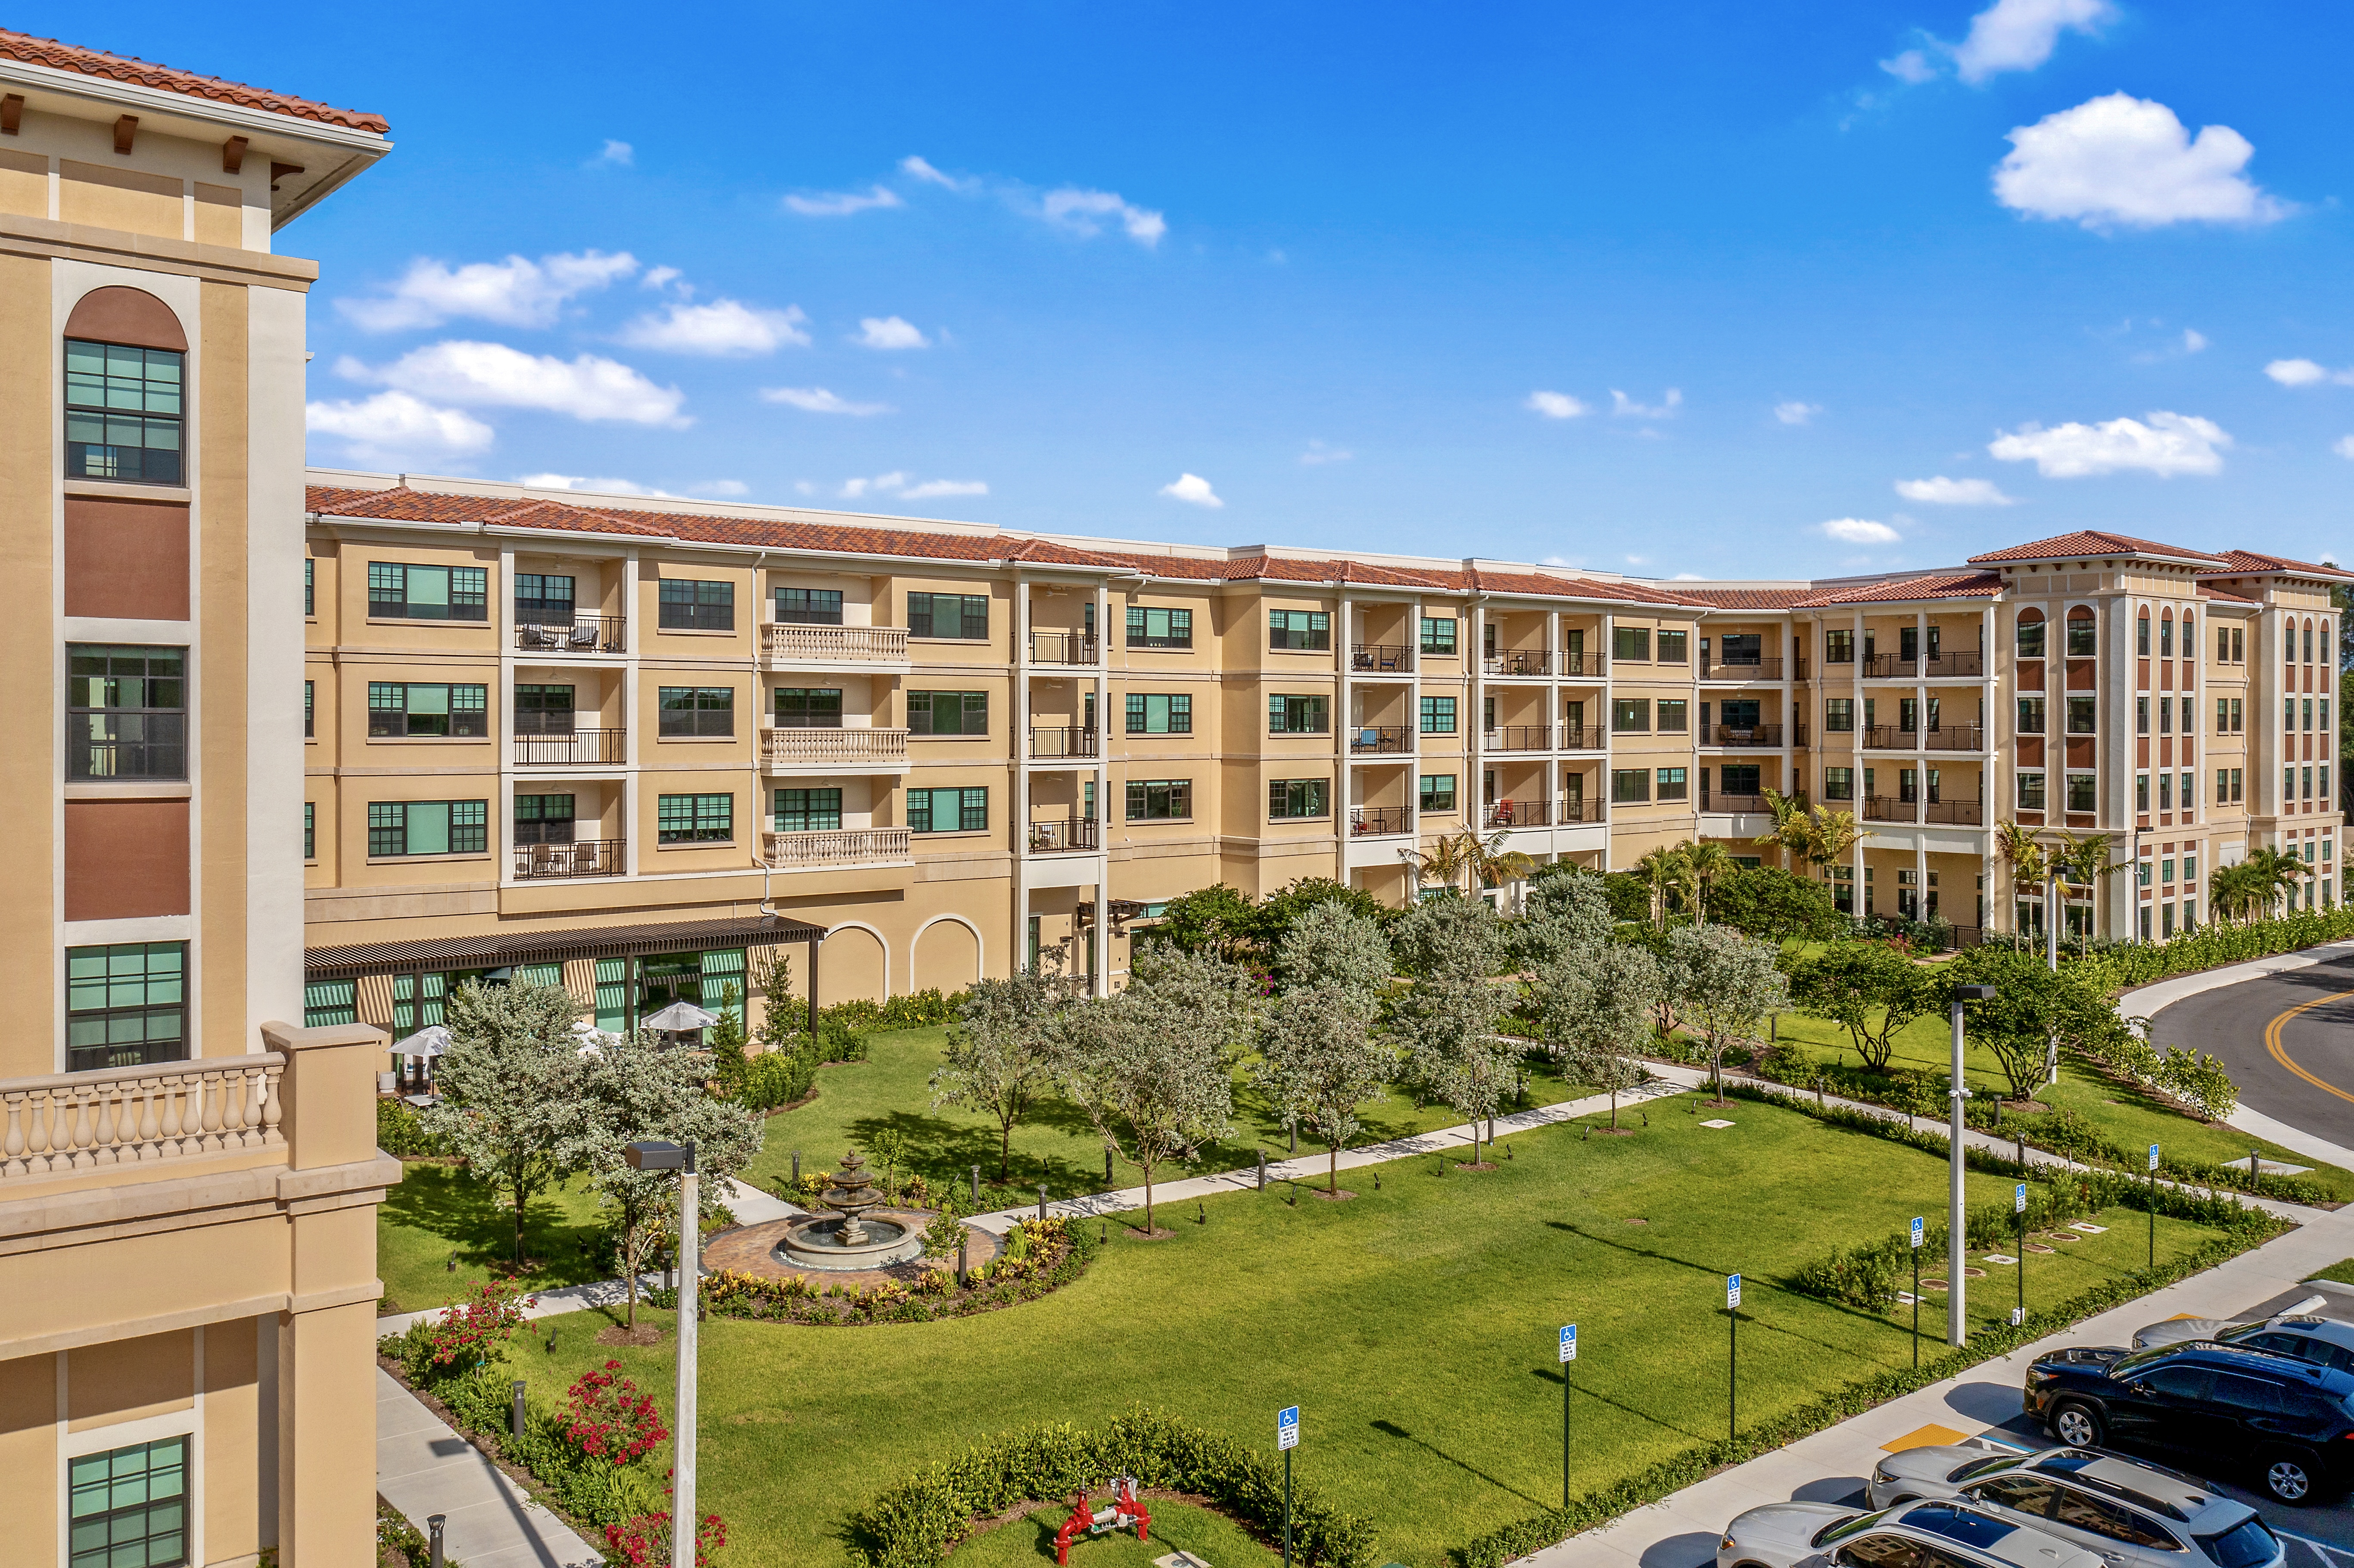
<point>1998,1257</point>
<point>2089,1228</point>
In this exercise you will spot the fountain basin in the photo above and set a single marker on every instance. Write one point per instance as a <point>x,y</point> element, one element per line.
<point>816,1242</point>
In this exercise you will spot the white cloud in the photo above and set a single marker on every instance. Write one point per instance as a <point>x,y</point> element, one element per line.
<point>2166,445</point>
<point>1556,404</point>
<point>818,401</point>
<point>2019,34</point>
<point>1193,490</point>
<point>2128,161</point>
<point>2344,447</point>
<point>1077,211</point>
<point>888,332</point>
<point>895,486</point>
<point>1943,492</point>
<point>515,292</point>
<point>2193,340</point>
<point>724,328</point>
<point>1687,578</point>
<point>659,278</point>
<point>841,203</point>
<point>1621,404</point>
<point>917,168</point>
<point>1318,454</point>
<point>588,387</point>
<point>1797,413</point>
<point>598,486</point>
<point>619,153</point>
<point>934,487</point>
<point>2306,373</point>
<point>722,487</point>
<point>395,423</point>
<point>1912,68</point>
<point>851,489</point>
<point>1859,531</point>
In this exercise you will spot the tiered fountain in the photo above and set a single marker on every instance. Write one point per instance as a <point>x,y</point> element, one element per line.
<point>846,1239</point>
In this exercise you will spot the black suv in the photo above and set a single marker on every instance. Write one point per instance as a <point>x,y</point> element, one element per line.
<point>2230,1403</point>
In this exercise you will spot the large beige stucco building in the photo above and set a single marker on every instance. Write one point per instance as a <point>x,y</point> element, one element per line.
<point>188,1177</point>
<point>628,742</point>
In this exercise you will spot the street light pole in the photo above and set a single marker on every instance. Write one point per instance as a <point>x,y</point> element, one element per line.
<point>659,1156</point>
<point>1957,1309</point>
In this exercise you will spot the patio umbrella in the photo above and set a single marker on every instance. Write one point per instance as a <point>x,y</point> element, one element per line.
<point>678,1017</point>
<point>429,1040</point>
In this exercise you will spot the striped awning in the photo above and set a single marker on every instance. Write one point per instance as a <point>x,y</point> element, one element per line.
<point>497,949</point>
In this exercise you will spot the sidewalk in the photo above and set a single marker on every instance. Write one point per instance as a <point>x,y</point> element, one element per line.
<point>422,1467</point>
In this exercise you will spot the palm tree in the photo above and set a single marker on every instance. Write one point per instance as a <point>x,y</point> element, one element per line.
<point>1705,865</point>
<point>1661,867</point>
<point>2238,892</point>
<point>2274,874</point>
<point>2081,863</point>
<point>1466,861</point>
<point>2027,859</point>
<point>1492,863</point>
<point>1790,833</point>
<point>1832,836</point>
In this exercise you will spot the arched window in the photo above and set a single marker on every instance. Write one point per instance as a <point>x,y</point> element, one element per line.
<point>2189,638</point>
<point>2309,642</point>
<point>2141,634</point>
<point>2081,635</point>
<point>126,360</point>
<point>2166,635</point>
<point>2030,634</point>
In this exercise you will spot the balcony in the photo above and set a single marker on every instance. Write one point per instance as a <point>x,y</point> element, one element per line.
<point>1800,670</point>
<point>1582,663</point>
<point>1065,835</point>
<point>1891,667</point>
<point>144,1114</point>
<point>833,847</point>
<point>1887,809</point>
<point>786,749</point>
<point>1889,738</point>
<point>1956,813</point>
<point>1381,658</point>
<point>1955,738</point>
<point>1050,743</point>
<point>1514,661</point>
<point>573,749</point>
<point>1740,735</point>
<point>1575,809</point>
<point>1063,648</point>
<point>1518,737</point>
<point>794,642</point>
<point>1721,802</point>
<point>582,857</point>
<point>1393,737</point>
<point>1967,666</point>
<point>578,634</point>
<point>1516,814</point>
<point>1759,669</point>
<point>1365,822</point>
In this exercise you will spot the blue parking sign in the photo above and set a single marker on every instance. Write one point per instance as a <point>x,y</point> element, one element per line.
<point>1569,1342</point>
<point>1287,1427</point>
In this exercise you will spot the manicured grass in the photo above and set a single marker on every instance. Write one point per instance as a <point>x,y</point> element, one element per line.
<point>1415,1326</point>
<point>436,1211</point>
<point>1176,1527</point>
<point>2342,1271</point>
<point>1055,1144</point>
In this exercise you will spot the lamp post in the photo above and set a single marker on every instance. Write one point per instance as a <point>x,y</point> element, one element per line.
<point>655,1155</point>
<point>1957,1315</point>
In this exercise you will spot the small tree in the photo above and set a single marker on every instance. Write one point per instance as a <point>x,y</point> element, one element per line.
<point>510,1088</point>
<point>1153,1067</point>
<point>1449,935</point>
<point>2034,1006</point>
<point>1726,983</point>
<point>1002,1055</point>
<point>1766,901</point>
<point>724,1039</point>
<point>1565,912</point>
<point>1214,919</point>
<point>1870,989</point>
<point>1320,1061</point>
<point>1595,1007</point>
<point>783,1025</point>
<point>1705,865</point>
<point>1331,944</point>
<point>1453,1054</point>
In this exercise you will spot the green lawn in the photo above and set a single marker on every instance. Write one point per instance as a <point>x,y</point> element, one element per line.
<point>2342,1271</point>
<point>438,1212</point>
<point>890,1089</point>
<point>1176,1527</point>
<point>1415,1326</point>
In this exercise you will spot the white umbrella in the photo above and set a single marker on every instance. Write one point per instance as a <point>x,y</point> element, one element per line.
<point>678,1017</point>
<point>429,1040</point>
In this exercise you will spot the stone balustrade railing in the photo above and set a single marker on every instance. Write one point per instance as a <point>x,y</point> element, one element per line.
<point>71,1122</point>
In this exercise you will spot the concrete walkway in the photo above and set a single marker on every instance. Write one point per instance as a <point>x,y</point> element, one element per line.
<point>423,1468</point>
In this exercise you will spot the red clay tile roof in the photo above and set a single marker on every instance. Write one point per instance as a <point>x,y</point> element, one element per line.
<point>405,505</point>
<point>48,52</point>
<point>2089,542</point>
<point>2208,590</point>
<point>1945,585</point>
<point>2250,561</point>
<point>1748,598</point>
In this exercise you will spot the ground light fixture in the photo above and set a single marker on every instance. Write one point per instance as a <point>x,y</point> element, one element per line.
<point>656,1155</point>
<point>1958,1327</point>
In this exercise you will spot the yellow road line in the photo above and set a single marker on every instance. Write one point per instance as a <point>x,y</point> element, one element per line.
<point>2273,1044</point>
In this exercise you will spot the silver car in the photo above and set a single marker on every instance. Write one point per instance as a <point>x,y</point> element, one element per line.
<point>2325,1342</point>
<point>1918,1536</point>
<point>2130,1513</point>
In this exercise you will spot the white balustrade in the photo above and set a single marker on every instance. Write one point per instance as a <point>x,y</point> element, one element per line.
<point>788,747</point>
<point>794,643</point>
<point>136,1115</point>
<point>840,847</point>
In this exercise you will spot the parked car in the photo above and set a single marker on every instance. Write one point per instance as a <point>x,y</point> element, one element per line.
<point>2129,1511</point>
<point>2226,1405</point>
<point>2323,1340</point>
<point>1918,1536</point>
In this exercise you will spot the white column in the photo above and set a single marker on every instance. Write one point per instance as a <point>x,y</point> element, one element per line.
<point>1608,666</point>
<point>1017,812</point>
<point>632,718</point>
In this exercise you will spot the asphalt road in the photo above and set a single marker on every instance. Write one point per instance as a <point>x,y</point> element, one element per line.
<point>2288,1040</point>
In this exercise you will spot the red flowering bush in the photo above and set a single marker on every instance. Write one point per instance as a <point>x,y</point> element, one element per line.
<point>477,1327</point>
<point>643,1541</point>
<point>610,1417</point>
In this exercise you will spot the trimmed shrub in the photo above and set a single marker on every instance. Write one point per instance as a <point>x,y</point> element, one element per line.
<point>401,1132</point>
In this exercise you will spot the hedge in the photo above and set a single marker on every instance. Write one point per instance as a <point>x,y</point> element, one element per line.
<point>2129,964</point>
<point>914,1523</point>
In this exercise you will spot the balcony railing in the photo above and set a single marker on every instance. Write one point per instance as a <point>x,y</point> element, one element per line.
<point>1955,738</point>
<point>1518,737</point>
<point>1049,741</point>
<point>1580,737</point>
<point>141,1115</point>
<point>1517,814</point>
<point>795,642</point>
<point>1887,809</point>
<point>1962,813</point>
<point>582,857</point>
<point>1745,735</point>
<point>1581,663</point>
<point>1757,669</point>
<point>1800,670</point>
<point>1381,738</point>
<point>1891,667</point>
<point>580,748</point>
<point>1381,658</point>
<point>1062,648</point>
<point>1518,662</point>
<point>1956,666</point>
<point>1064,833</point>
<point>1723,802</point>
<point>1889,737</point>
<point>834,846</point>
<point>1364,821</point>
<point>580,634</point>
<point>793,746</point>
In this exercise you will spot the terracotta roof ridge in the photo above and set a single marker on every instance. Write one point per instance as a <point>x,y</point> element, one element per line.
<point>56,55</point>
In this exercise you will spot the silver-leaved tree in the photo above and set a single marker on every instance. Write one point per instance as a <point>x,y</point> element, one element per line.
<point>510,1087</point>
<point>1320,1059</point>
<point>1332,944</point>
<point>1003,1051</point>
<point>1595,1005</point>
<point>1726,985</point>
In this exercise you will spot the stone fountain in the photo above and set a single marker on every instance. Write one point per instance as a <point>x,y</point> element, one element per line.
<point>846,1238</point>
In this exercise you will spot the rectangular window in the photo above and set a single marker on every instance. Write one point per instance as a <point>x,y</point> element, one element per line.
<point>1153,713</point>
<point>2080,637</point>
<point>2030,716</point>
<point>543,598</point>
<point>1292,798</point>
<point>807,810</point>
<point>126,712</point>
<point>2030,792</point>
<point>2222,645</point>
<point>2308,714</point>
<point>2238,784</point>
<point>397,591</point>
<point>398,828</point>
<point>1631,786</point>
<point>310,709</point>
<point>2222,785</point>
<point>1630,716</point>
<point>1839,715</point>
<point>2141,716</point>
<point>2080,792</point>
<point>122,413</point>
<point>2166,791</point>
<point>310,831</point>
<point>2030,638</point>
<point>2239,717</point>
<point>126,1005</point>
<point>695,819</point>
<point>129,1506</point>
<point>697,710</point>
<point>1438,716</point>
<point>1148,627</point>
<point>2222,716</point>
<point>2308,784</point>
<point>1673,784</point>
<point>1160,800</point>
<point>542,819</point>
<point>542,710</point>
<point>948,713</point>
<point>399,709</point>
<point>2239,645</point>
<point>2288,713</point>
<point>1630,642</point>
<point>2288,785</point>
<point>1673,646</point>
<point>1439,792</point>
<point>2141,791</point>
<point>310,586</point>
<point>1438,635</point>
<point>2081,714</point>
<point>1310,629</point>
<point>809,607</point>
<point>1675,715</point>
<point>1838,647</point>
<point>2165,714</point>
<point>1737,777</point>
<point>688,604</point>
<point>1299,715</point>
<point>1839,783</point>
<point>808,708</point>
<point>948,811</point>
<point>957,617</point>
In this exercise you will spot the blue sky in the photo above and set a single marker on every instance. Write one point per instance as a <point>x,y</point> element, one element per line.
<point>1658,290</point>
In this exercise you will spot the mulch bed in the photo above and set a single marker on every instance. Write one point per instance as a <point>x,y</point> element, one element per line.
<point>1342,1196</point>
<point>1138,1232</point>
<point>1469,1165</point>
<point>615,1334</point>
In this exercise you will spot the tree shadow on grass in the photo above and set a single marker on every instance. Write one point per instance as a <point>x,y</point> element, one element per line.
<point>1756,1279</point>
<point>1392,1429</point>
<point>444,1201</point>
